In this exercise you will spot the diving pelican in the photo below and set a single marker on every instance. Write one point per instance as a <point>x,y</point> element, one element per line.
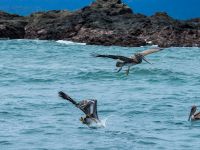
<point>194,116</point>
<point>130,61</point>
<point>89,107</point>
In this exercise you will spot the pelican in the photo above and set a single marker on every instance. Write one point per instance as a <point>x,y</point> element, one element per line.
<point>89,107</point>
<point>130,61</point>
<point>194,116</point>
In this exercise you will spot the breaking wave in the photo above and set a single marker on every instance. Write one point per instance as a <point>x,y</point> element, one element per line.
<point>70,42</point>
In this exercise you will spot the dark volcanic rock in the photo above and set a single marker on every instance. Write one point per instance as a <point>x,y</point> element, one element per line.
<point>166,31</point>
<point>104,22</point>
<point>12,26</point>
<point>50,25</point>
<point>93,25</point>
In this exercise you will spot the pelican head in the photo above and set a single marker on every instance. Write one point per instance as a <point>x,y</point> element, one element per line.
<point>86,120</point>
<point>119,64</point>
<point>83,120</point>
<point>141,57</point>
<point>193,110</point>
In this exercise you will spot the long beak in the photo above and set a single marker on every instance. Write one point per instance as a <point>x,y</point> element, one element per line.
<point>146,60</point>
<point>81,119</point>
<point>190,116</point>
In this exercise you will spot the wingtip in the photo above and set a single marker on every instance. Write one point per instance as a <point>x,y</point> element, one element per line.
<point>94,54</point>
<point>60,93</point>
<point>63,95</point>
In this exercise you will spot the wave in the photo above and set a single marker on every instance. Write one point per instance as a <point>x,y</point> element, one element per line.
<point>32,40</point>
<point>4,142</point>
<point>69,42</point>
<point>157,71</point>
<point>99,74</point>
<point>135,73</point>
<point>150,46</point>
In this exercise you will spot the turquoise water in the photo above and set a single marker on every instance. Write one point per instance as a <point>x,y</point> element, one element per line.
<point>146,110</point>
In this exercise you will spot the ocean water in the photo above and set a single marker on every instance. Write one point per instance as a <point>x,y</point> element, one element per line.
<point>146,110</point>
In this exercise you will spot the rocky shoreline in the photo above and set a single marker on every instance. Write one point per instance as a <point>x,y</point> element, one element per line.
<point>104,22</point>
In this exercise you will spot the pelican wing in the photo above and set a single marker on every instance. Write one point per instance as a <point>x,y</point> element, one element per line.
<point>122,58</point>
<point>149,51</point>
<point>89,107</point>
<point>67,97</point>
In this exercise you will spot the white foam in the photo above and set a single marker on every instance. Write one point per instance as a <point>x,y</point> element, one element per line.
<point>149,42</point>
<point>154,45</point>
<point>33,40</point>
<point>69,42</point>
<point>150,46</point>
<point>100,124</point>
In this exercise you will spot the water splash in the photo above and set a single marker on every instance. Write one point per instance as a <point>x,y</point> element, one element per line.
<point>100,124</point>
<point>69,42</point>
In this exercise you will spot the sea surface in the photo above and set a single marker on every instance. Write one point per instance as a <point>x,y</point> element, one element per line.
<point>148,109</point>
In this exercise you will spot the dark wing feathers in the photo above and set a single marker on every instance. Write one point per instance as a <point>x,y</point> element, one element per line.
<point>66,97</point>
<point>89,107</point>
<point>122,58</point>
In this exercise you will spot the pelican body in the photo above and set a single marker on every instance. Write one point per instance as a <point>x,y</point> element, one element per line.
<point>194,116</point>
<point>89,107</point>
<point>126,61</point>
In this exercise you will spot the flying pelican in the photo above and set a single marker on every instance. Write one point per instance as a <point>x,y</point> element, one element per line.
<point>130,61</point>
<point>89,107</point>
<point>194,116</point>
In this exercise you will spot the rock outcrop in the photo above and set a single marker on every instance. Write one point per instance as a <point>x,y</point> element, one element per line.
<point>12,26</point>
<point>104,22</point>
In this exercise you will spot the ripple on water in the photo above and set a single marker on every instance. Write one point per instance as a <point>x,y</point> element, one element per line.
<point>7,143</point>
<point>98,75</point>
<point>148,109</point>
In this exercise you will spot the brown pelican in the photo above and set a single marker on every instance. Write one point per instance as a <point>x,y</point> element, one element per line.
<point>130,61</point>
<point>89,107</point>
<point>194,116</point>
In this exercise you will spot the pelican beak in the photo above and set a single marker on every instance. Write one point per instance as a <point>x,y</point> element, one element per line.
<point>81,119</point>
<point>145,60</point>
<point>191,113</point>
<point>189,117</point>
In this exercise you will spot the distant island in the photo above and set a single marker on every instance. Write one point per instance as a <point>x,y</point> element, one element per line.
<point>104,22</point>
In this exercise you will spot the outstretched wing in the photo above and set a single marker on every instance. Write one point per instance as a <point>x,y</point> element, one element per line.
<point>149,51</point>
<point>66,97</point>
<point>89,107</point>
<point>122,58</point>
